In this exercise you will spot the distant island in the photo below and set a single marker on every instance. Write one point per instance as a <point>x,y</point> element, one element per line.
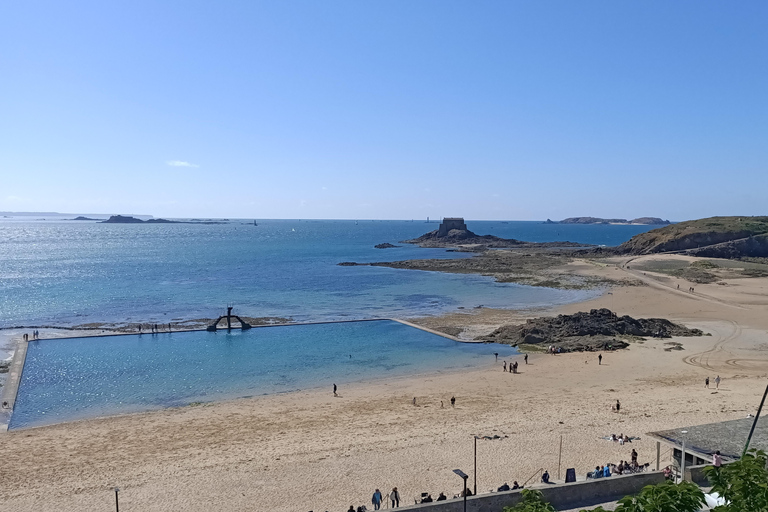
<point>645,221</point>
<point>126,219</point>
<point>83,218</point>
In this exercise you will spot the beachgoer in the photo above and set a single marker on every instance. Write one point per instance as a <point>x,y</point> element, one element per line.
<point>526,358</point>
<point>139,328</point>
<point>453,401</point>
<point>442,497</point>
<point>497,355</point>
<point>545,477</point>
<point>667,473</point>
<point>351,509</point>
<point>717,460</point>
<point>394,497</point>
<point>414,400</point>
<point>706,383</point>
<point>634,456</point>
<point>334,390</point>
<point>515,485</point>
<point>428,499</point>
<point>504,487</point>
<point>607,471</point>
<point>505,366</point>
<point>376,499</point>
<point>717,382</point>
<point>441,404</point>
<point>600,359</point>
<point>678,286</point>
<point>618,406</point>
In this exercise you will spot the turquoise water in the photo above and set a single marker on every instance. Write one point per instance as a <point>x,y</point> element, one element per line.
<point>71,273</point>
<point>77,378</point>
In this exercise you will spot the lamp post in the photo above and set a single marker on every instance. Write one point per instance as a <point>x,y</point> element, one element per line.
<point>682,457</point>
<point>464,476</point>
<point>475,490</point>
<point>117,507</point>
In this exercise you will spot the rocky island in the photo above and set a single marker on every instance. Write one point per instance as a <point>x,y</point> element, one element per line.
<point>453,232</point>
<point>645,221</point>
<point>600,329</point>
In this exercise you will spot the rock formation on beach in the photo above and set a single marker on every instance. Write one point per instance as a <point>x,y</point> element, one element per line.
<point>596,330</point>
<point>453,232</point>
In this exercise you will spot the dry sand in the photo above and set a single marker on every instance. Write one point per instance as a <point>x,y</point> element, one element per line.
<point>310,451</point>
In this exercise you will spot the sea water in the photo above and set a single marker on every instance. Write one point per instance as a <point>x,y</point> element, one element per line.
<point>77,378</point>
<point>67,273</point>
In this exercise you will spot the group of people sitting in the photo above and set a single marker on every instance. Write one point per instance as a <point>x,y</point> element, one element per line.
<point>427,498</point>
<point>621,439</point>
<point>506,487</point>
<point>623,468</point>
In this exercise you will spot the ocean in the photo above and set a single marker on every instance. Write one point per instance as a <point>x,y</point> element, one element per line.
<point>66,273</point>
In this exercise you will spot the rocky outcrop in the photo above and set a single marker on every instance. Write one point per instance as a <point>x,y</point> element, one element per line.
<point>597,220</point>
<point>456,237</point>
<point>728,237</point>
<point>385,246</point>
<point>122,219</point>
<point>596,330</point>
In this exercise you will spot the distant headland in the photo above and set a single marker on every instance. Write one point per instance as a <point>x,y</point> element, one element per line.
<point>126,219</point>
<point>642,221</point>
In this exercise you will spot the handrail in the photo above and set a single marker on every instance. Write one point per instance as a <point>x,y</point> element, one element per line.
<point>538,471</point>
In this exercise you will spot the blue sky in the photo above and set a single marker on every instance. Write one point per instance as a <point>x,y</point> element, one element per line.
<point>390,110</point>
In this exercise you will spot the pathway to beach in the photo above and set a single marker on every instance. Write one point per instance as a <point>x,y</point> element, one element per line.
<point>311,451</point>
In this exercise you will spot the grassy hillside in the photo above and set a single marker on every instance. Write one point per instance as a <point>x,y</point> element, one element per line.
<point>695,234</point>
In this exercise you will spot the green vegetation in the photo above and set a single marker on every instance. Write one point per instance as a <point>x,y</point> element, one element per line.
<point>533,501</point>
<point>743,484</point>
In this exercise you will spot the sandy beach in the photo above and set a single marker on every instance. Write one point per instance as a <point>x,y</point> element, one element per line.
<point>310,450</point>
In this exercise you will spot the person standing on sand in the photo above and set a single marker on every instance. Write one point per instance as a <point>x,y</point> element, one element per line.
<point>453,401</point>
<point>497,355</point>
<point>618,406</point>
<point>600,359</point>
<point>706,383</point>
<point>526,358</point>
<point>394,497</point>
<point>376,499</point>
<point>717,382</point>
<point>505,366</point>
<point>334,390</point>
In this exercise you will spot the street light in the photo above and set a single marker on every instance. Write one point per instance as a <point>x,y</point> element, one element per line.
<point>464,476</point>
<point>475,491</point>
<point>682,457</point>
<point>117,507</point>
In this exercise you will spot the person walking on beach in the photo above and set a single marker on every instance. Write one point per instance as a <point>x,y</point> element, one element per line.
<point>505,366</point>
<point>618,406</point>
<point>453,401</point>
<point>334,390</point>
<point>497,355</point>
<point>706,383</point>
<point>394,497</point>
<point>526,358</point>
<point>600,359</point>
<point>717,382</point>
<point>376,499</point>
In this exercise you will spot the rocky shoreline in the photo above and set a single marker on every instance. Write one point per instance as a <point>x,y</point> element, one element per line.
<point>599,329</point>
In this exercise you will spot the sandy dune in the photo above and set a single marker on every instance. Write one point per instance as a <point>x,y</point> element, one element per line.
<point>311,451</point>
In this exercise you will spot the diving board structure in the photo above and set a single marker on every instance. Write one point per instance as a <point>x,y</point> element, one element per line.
<point>229,316</point>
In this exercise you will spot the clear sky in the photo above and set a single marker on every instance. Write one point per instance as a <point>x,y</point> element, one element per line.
<point>389,110</point>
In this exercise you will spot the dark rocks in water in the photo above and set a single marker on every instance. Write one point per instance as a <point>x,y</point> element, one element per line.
<point>586,331</point>
<point>161,221</point>
<point>80,217</point>
<point>550,221</point>
<point>351,264</point>
<point>122,219</point>
<point>385,246</point>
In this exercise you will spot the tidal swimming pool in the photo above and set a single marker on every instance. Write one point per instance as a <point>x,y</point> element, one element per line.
<point>77,378</point>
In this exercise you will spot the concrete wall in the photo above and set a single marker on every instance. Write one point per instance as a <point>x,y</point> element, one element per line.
<point>696,474</point>
<point>561,496</point>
